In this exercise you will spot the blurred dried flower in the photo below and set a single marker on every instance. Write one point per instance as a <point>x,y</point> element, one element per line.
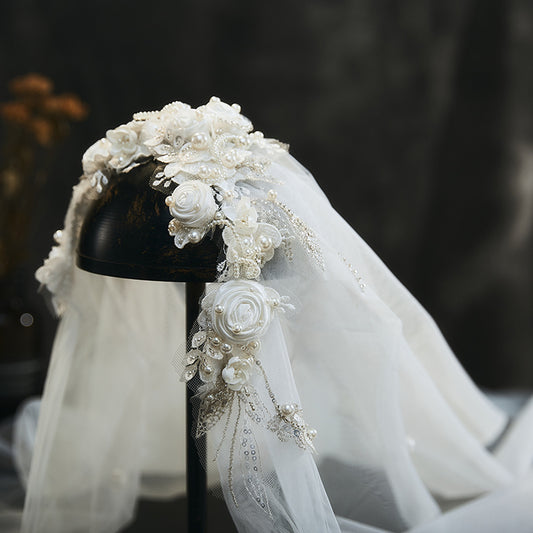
<point>42,115</point>
<point>35,122</point>
<point>68,105</point>
<point>15,112</point>
<point>43,130</point>
<point>31,85</point>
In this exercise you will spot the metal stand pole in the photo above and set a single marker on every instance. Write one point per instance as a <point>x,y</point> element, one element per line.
<point>196,451</point>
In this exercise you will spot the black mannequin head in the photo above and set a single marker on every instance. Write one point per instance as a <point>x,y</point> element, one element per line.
<point>125,235</point>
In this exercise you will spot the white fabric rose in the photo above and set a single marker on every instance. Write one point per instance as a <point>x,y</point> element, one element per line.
<point>225,117</point>
<point>242,310</point>
<point>237,372</point>
<point>193,204</point>
<point>96,157</point>
<point>167,133</point>
<point>178,117</point>
<point>125,146</point>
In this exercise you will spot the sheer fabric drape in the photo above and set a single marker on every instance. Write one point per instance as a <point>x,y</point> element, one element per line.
<point>403,433</point>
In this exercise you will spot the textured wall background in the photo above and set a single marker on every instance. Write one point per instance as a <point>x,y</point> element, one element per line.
<point>415,116</point>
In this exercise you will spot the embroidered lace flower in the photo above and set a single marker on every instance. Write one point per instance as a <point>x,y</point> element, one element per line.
<point>250,244</point>
<point>237,372</point>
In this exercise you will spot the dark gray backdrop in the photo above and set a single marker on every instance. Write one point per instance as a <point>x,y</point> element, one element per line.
<point>414,116</point>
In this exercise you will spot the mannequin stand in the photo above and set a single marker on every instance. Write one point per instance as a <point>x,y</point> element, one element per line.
<point>196,453</point>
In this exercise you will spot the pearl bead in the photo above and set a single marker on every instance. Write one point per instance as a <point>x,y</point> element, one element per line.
<point>195,236</point>
<point>236,328</point>
<point>226,348</point>
<point>272,195</point>
<point>219,215</point>
<point>219,309</point>
<point>312,433</point>
<point>215,341</point>
<point>199,141</point>
<point>287,409</point>
<point>207,369</point>
<point>237,107</point>
<point>169,201</point>
<point>203,171</point>
<point>173,226</point>
<point>230,158</point>
<point>254,346</point>
<point>265,242</point>
<point>58,235</point>
<point>214,99</point>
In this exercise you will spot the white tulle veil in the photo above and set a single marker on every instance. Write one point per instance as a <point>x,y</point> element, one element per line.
<point>331,401</point>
